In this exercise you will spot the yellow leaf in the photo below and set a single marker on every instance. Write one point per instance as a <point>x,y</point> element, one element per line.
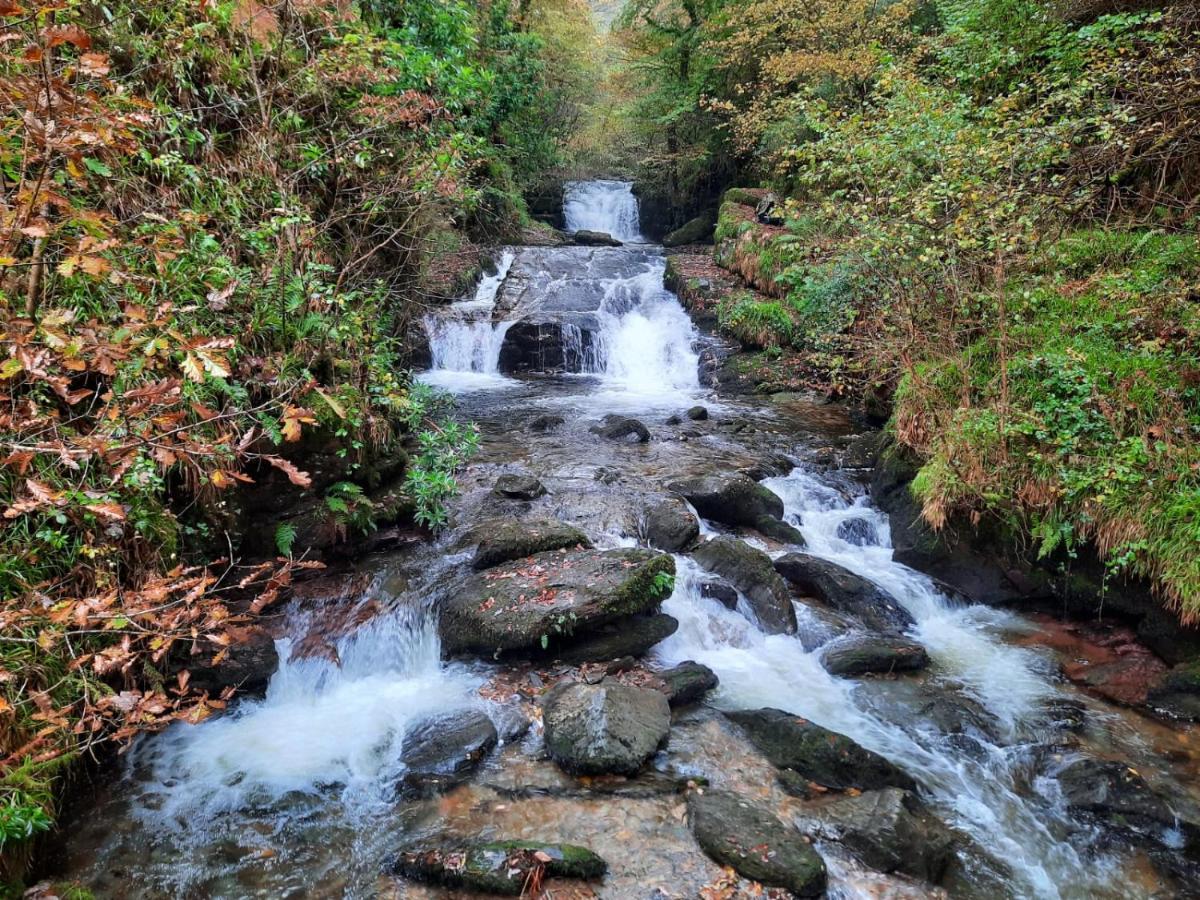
<point>192,368</point>
<point>214,364</point>
<point>220,479</point>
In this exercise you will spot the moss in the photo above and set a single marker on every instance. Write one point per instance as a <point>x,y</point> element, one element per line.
<point>640,590</point>
<point>744,196</point>
<point>566,860</point>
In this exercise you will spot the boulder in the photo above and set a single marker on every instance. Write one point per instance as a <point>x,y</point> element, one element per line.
<point>669,524</point>
<point>778,530</point>
<point>687,682</point>
<point>551,598</point>
<point>825,757</point>
<point>695,231</point>
<point>732,499</point>
<point>247,664</point>
<point>1117,793</point>
<point>841,589</point>
<point>750,571</point>
<point>725,594</point>
<point>542,424</point>
<point>595,729</point>
<point>519,487</point>
<point>618,428</point>
<point>499,867</point>
<point>872,655</point>
<point>890,830</point>
<point>697,413</point>
<point>585,238</point>
<point>858,532</point>
<point>633,636</point>
<point>773,465</point>
<point>504,541</point>
<point>757,845</point>
<point>442,751</point>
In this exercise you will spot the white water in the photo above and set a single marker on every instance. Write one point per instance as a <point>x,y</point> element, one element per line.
<point>980,793</point>
<point>605,206</point>
<point>465,342</point>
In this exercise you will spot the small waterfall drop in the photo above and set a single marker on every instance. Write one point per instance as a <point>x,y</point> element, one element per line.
<point>606,206</point>
<point>464,341</point>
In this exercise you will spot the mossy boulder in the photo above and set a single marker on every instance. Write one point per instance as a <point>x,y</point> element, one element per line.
<point>822,756</point>
<point>552,599</point>
<point>750,571</point>
<point>755,843</point>
<point>499,867</point>
<point>694,231</point>
<point>744,196</point>
<point>504,541</point>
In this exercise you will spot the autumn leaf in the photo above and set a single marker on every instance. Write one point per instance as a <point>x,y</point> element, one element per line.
<point>293,416</point>
<point>193,368</point>
<point>95,64</point>
<point>295,476</point>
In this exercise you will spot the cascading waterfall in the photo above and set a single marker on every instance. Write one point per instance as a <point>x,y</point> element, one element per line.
<point>605,206</point>
<point>981,791</point>
<point>465,341</point>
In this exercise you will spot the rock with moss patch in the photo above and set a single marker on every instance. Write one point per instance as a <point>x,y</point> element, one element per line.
<point>585,238</point>
<point>551,599</point>
<point>596,729</point>
<point>504,541</point>
<point>734,832</point>
<point>731,499</point>
<point>695,231</point>
<point>750,571</point>
<point>499,867</point>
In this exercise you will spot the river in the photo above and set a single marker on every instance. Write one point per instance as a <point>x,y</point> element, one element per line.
<point>293,794</point>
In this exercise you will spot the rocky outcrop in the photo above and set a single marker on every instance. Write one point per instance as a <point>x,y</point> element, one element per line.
<point>873,655</point>
<point>669,524</point>
<point>733,500</point>
<point>441,752</point>
<point>504,541</point>
<point>632,637</point>
<point>842,590</point>
<point>890,830</point>
<point>757,845</point>
<point>822,756</point>
<point>596,729</point>
<point>519,487</point>
<point>750,571</point>
<point>499,867</point>
<point>687,683</point>
<point>551,599</point>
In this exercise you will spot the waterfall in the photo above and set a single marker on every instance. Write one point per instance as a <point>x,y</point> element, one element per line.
<point>464,341</point>
<point>605,206</point>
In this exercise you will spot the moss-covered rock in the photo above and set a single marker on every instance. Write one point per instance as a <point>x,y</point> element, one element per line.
<point>695,231</point>
<point>504,541</point>
<point>500,867</point>
<point>750,571</point>
<point>750,197</point>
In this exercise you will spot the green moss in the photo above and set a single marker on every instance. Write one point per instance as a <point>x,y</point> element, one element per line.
<point>743,196</point>
<point>641,589</point>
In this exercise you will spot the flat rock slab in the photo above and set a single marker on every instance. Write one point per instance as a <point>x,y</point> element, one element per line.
<point>499,867</point>
<point>505,541</point>
<point>822,756</point>
<point>757,845</point>
<point>441,752</point>
<point>597,729</point>
<point>750,571</point>
<point>841,589</point>
<point>551,599</point>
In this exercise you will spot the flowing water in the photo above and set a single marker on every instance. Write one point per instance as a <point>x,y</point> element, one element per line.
<point>293,794</point>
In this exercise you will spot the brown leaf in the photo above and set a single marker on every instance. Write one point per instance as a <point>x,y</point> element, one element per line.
<point>295,476</point>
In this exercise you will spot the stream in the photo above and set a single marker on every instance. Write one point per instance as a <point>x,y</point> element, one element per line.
<point>294,794</point>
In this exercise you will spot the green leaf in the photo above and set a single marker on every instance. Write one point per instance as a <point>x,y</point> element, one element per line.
<point>96,167</point>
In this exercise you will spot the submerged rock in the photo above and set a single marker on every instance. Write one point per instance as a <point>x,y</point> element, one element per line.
<point>1117,793</point>
<point>442,751</point>
<point>750,571</point>
<point>631,637</point>
<point>519,487</point>
<point>618,428</point>
<point>1178,693</point>
<point>500,867</point>
<point>844,591</point>
<point>585,238</point>
<point>755,843</point>
<point>551,599</point>
<point>504,541</point>
<point>595,729</point>
<point>669,524</point>
<point>542,424</point>
<point>688,682</point>
<point>825,757</point>
<point>872,655</point>
<point>733,499</point>
<point>890,830</point>
<point>858,532</point>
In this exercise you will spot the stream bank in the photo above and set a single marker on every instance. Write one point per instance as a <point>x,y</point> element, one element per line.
<point>630,631</point>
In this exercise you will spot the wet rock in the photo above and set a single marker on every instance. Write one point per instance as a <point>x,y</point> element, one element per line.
<point>734,499</point>
<point>822,756</point>
<point>632,637</point>
<point>511,723</point>
<point>688,682</point>
<point>778,530</point>
<point>723,593</point>
<point>519,487</point>
<point>750,571</point>
<point>673,420</point>
<point>697,413</point>
<point>903,701</point>
<point>862,452</point>
<point>769,211</point>
<point>858,532</point>
<point>585,238</point>
<point>889,830</point>
<point>774,465</point>
<point>1178,693</point>
<point>246,664</point>
<point>551,598</point>
<point>873,654</point>
<point>604,728</point>
<point>617,428</point>
<point>1117,793</point>
<point>441,752</point>
<point>756,844</point>
<point>844,591</point>
<point>695,231</point>
<point>1065,714</point>
<point>670,525</point>
<point>501,542</point>
<point>542,424</point>
<point>499,867</point>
